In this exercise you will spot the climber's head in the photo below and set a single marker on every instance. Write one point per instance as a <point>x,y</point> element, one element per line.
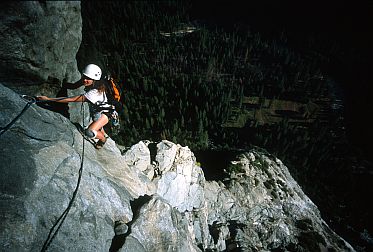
<point>91,73</point>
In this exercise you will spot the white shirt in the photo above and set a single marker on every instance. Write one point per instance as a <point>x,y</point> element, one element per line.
<point>99,99</point>
<point>96,97</point>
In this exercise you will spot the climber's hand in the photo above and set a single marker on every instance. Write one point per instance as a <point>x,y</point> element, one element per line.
<point>42,98</point>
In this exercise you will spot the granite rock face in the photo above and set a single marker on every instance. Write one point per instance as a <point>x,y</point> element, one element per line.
<point>262,208</point>
<point>40,161</point>
<point>151,197</point>
<point>39,41</point>
<point>39,44</point>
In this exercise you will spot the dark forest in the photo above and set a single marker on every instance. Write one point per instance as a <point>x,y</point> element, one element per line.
<point>292,79</point>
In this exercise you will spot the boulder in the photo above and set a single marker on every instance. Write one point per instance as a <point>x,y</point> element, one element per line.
<point>182,180</point>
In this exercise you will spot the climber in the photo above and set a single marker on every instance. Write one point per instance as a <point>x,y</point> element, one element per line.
<point>100,110</point>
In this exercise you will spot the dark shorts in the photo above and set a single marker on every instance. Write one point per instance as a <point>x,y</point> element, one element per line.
<point>110,115</point>
<point>97,115</point>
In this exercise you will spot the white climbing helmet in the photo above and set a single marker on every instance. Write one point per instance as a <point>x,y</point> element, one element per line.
<point>92,71</point>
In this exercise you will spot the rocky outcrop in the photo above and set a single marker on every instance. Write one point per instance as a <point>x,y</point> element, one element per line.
<point>40,162</point>
<point>151,197</point>
<point>261,208</point>
<point>39,42</point>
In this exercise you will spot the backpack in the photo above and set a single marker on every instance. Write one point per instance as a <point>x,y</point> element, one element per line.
<point>114,94</point>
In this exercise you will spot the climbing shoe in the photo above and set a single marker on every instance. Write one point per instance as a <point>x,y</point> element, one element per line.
<point>100,144</point>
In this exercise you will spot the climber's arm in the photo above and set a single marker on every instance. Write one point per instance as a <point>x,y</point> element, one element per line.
<point>78,98</point>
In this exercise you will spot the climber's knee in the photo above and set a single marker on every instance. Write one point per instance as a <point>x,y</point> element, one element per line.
<point>90,133</point>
